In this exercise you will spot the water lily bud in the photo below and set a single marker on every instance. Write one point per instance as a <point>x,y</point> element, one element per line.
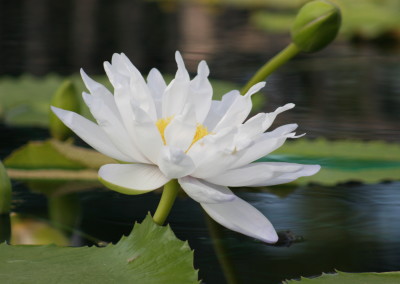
<point>65,97</point>
<point>316,25</point>
<point>5,191</point>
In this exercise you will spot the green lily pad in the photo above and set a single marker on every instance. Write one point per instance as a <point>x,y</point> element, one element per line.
<point>55,161</point>
<point>150,254</point>
<point>351,278</point>
<point>40,155</point>
<point>342,161</point>
<point>53,154</point>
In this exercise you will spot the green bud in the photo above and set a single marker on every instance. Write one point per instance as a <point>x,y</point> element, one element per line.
<point>316,25</point>
<point>5,191</point>
<point>66,97</point>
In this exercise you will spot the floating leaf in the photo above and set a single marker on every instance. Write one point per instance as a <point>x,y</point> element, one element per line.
<point>55,160</point>
<point>342,161</point>
<point>87,157</point>
<point>150,254</point>
<point>40,155</point>
<point>351,278</point>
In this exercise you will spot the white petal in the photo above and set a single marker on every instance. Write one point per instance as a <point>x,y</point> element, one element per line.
<point>239,109</point>
<point>134,83</point>
<point>157,86</point>
<point>263,174</point>
<point>114,128</point>
<point>241,217</point>
<point>219,108</point>
<point>263,145</point>
<point>201,92</point>
<point>181,130</point>
<point>255,88</point>
<point>124,102</point>
<point>156,83</point>
<point>91,133</point>
<point>175,95</point>
<point>117,79</point>
<point>148,138</point>
<point>212,154</point>
<point>205,192</point>
<point>270,117</point>
<point>174,163</point>
<point>132,178</point>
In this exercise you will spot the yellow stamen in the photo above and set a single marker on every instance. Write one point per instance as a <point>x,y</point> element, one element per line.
<point>162,123</point>
<point>201,131</point>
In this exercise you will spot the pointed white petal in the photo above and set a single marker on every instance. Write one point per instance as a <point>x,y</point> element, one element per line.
<point>243,218</point>
<point>91,133</point>
<point>270,117</point>
<point>174,163</point>
<point>175,95</point>
<point>157,86</point>
<point>132,82</point>
<point>263,174</point>
<point>116,78</point>
<point>201,92</point>
<point>156,83</point>
<point>205,192</point>
<point>263,145</point>
<point>239,109</point>
<point>132,178</point>
<point>254,89</point>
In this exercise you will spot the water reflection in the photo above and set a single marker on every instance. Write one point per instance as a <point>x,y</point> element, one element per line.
<point>347,227</point>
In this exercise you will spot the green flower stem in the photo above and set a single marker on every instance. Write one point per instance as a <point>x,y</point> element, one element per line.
<point>168,197</point>
<point>281,58</point>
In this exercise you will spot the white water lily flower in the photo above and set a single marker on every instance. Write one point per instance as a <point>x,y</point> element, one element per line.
<point>176,131</point>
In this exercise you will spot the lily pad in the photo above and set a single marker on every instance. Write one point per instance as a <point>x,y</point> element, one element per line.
<point>351,278</point>
<point>150,254</point>
<point>342,161</point>
<point>55,160</point>
<point>55,155</point>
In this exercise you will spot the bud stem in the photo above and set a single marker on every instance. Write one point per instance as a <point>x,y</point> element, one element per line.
<point>168,197</point>
<point>274,63</point>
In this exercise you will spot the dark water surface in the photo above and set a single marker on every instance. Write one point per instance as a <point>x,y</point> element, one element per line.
<point>352,228</point>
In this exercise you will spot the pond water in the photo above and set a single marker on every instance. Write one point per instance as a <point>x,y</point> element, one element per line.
<point>344,92</point>
<point>351,228</point>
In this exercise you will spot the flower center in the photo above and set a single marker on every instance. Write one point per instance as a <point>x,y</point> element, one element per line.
<point>162,123</point>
